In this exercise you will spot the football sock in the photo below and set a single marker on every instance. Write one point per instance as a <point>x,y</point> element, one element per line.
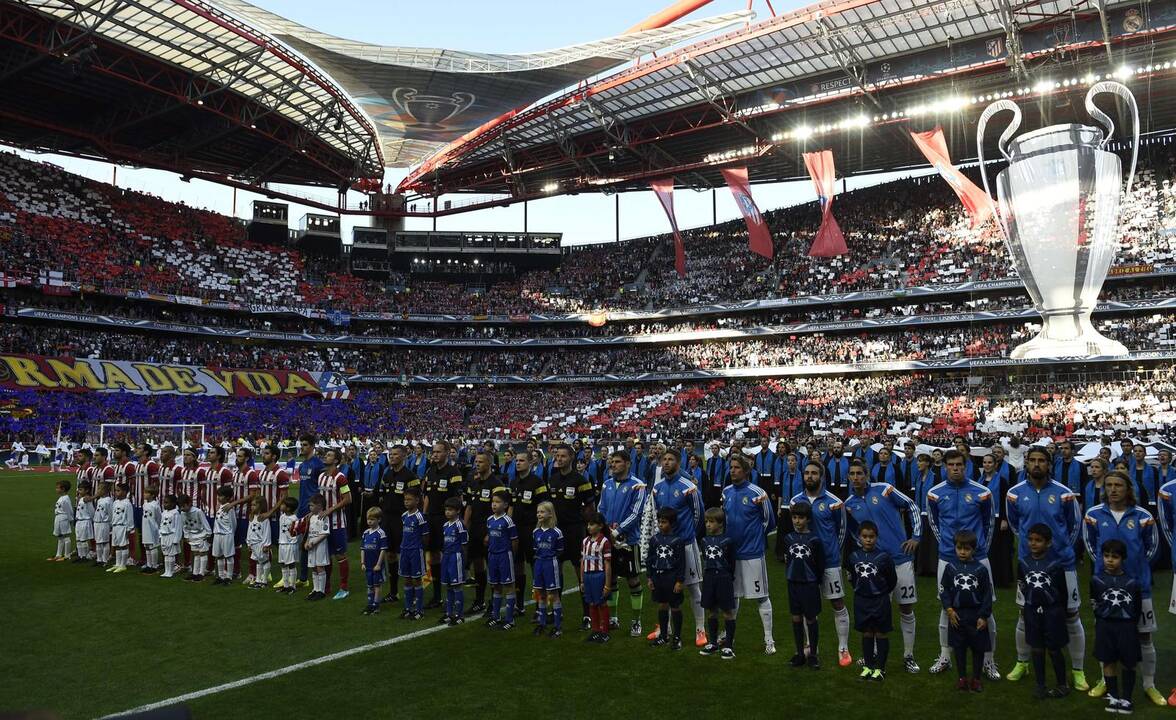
<point>712,630</point>
<point>961,661</point>
<point>371,595</point>
<point>1021,642</point>
<point>436,570</point>
<point>419,593</point>
<point>814,632</point>
<point>57,553</point>
<point>542,607</point>
<point>1059,666</point>
<point>495,604</point>
<point>557,616</point>
<point>841,622</point>
<point>594,617</point>
<point>614,599</point>
<point>188,556</point>
<point>153,556</point>
<point>663,620</point>
<point>229,564</point>
<point>584,602</point>
<point>459,601</point>
<point>394,580</point>
<point>222,568</point>
<point>696,607</point>
<point>345,574</point>
<point>1077,641</point>
<point>1113,686</point>
<point>1128,685</point>
<point>944,650</point>
<point>237,558</point>
<point>252,565</point>
<point>520,579</point>
<point>1038,667</point>
<point>121,559</point>
<point>169,564</point>
<point>868,651</point>
<point>676,620</point>
<point>881,652</point>
<point>605,618</point>
<point>977,663</point>
<point>798,636</point>
<point>729,627</point>
<point>907,621</point>
<point>636,600</point>
<point>991,639</point>
<point>765,613</point>
<point>510,606</point>
<point>480,585</point>
<point>262,572</point>
<point>1147,665</point>
<point>409,598</point>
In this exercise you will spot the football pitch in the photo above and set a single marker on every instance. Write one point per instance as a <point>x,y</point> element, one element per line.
<point>81,643</point>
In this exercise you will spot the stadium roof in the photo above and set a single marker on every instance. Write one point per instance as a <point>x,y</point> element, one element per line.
<point>754,96</point>
<point>422,98</point>
<point>177,84</point>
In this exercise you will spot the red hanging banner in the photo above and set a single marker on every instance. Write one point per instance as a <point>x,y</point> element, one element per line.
<point>759,240</point>
<point>664,189</point>
<point>829,242</point>
<point>934,148</point>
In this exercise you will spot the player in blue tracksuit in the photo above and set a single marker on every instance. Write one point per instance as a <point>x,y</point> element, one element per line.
<point>1120,518</point>
<point>622,502</point>
<point>1040,500</point>
<point>953,505</point>
<point>828,523</point>
<point>749,519</point>
<point>679,493</point>
<point>1167,512</point>
<point>883,505</point>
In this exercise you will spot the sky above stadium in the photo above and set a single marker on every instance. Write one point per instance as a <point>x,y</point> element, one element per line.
<point>508,26</point>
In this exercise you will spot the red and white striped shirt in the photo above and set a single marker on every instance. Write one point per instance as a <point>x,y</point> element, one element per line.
<point>594,552</point>
<point>85,472</point>
<point>169,480</point>
<point>213,479</point>
<point>145,474</point>
<point>191,481</point>
<point>244,484</point>
<point>125,473</point>
<point>103,473</point>
<point>274,484</point>
<point>333,488</point>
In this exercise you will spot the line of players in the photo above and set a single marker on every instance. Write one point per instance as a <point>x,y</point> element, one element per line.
<point>955,504</point>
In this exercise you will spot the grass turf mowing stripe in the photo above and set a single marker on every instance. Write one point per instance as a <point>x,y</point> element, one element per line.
<point>295,667</point>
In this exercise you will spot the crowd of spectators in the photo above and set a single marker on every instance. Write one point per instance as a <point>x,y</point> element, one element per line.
<point>944,342</point>
<point>908,232</point>
<point>930,408</point>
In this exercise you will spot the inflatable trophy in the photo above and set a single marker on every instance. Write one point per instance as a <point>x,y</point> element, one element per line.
<point>1058,209</point>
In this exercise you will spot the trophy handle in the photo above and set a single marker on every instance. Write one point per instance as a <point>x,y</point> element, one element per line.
<point>1120,90</point>
<point>1001,144</point>
<point>401,97</point>
<point>463,100</point>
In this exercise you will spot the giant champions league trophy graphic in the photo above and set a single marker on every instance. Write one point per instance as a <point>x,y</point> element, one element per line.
<point>1059,212</point>
<point>430,111</point>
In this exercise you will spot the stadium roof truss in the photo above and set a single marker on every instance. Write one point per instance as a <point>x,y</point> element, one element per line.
<point>673,114</point>
<point>235,102</point>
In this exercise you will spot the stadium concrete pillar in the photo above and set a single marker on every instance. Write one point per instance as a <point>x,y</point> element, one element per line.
<point>524,216</point>
<point>714,207</point>
<point>617,215</point>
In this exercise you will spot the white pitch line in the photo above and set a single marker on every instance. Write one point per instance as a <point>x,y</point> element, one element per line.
<point>293,668</point>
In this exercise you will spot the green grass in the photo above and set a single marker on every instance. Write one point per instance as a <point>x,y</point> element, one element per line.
<point>82,643</point>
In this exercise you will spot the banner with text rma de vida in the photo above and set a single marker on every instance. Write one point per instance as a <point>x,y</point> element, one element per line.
<point>145,378</point>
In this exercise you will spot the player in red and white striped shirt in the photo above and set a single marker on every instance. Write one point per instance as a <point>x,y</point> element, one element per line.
<point>103,471</point>
<point>215,475</point>
<point>333,486</point>
<point>192,485</point>
<point>169,472</point>
<point>124,473</point>
<point>246,483</point>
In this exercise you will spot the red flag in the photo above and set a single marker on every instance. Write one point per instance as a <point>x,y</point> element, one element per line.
<point>665,194</point>
<point>758,237</point>
<point>830,241</point>
<point>934,148</point>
